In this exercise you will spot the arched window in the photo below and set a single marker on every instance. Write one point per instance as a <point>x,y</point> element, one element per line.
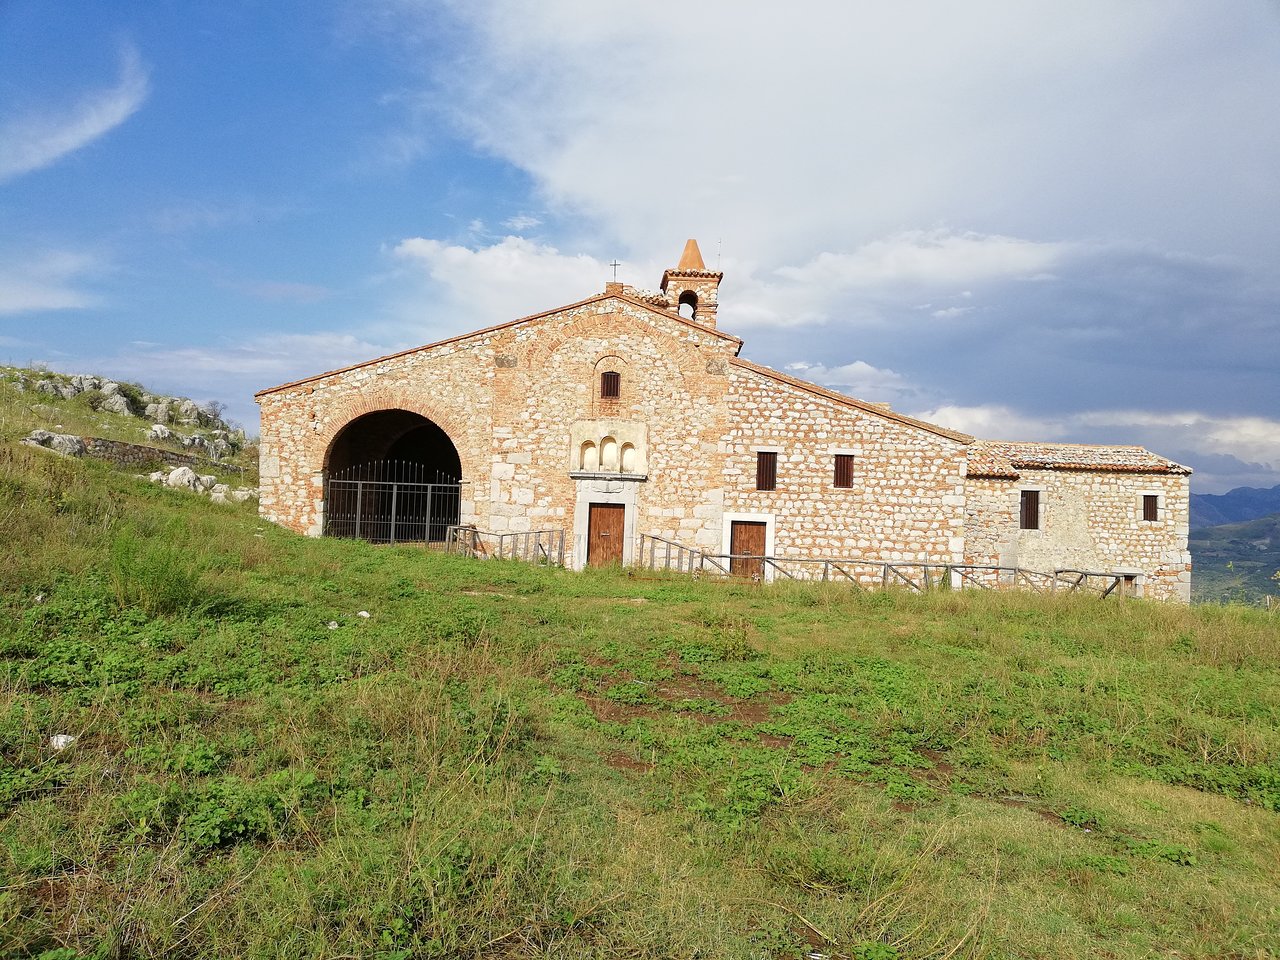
<point>688,304</point>
<point>628,458</point>
<point>610,385</point>
<point>589,457</point>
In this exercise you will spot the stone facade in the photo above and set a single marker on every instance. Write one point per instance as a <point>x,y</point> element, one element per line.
<point>523,413</point>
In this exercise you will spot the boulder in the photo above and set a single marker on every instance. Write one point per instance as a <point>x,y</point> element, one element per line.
<point>219,449</point>
<point>183,477</point>
<point>109,388</point>
<point>241,494</point>
<point>116,403</point>
<point>159,476</point>
<point>67,444</point>
<point>219,493</point>
<point>47,386</point>
<point>159,432</point>
<point>208,481</point>
<point>158,411</point>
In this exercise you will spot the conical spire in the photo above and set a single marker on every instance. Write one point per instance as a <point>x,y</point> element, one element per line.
<point>691,259</point>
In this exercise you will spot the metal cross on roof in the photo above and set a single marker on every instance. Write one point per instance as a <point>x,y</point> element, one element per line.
<point>615,264</point>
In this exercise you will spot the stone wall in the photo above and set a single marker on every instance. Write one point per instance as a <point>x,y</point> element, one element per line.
<point>124,454</point>
<point>1089,520</point>
<point>907,499</point>
<point>509,398</point>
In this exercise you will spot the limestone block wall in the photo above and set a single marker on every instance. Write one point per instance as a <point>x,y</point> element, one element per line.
<point>670,407</point>
<point>907,499</point>
<point>509,398</point>
<point>1090,520</point>
<point>449,385</point>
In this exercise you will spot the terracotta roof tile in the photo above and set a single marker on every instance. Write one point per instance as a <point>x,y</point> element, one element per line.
<point>1003,458</point>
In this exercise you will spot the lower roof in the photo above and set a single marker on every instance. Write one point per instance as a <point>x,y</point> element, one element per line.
<point>1002,459</point>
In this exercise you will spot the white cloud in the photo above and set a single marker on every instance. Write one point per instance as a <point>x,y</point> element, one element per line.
<point>858,379</point>
<point>716,120</point>
<point>925,259</point>
<point>47,281</point>
<point>36,140</point>
<point>950,313</point>
<point>994,422</point>
<point>483,286</point>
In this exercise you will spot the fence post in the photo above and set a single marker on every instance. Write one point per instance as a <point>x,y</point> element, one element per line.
<point>359,505</point>
<point>395,487</point>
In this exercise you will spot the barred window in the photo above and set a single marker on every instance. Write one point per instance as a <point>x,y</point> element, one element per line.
<point>1150,507</point>
<point>844,470</point>
<point>766,471</point>
<point>610,385</point>
<point>1030,513</point>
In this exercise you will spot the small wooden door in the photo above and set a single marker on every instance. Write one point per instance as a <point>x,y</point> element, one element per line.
<point>746,537</point>
<point>604,533</point>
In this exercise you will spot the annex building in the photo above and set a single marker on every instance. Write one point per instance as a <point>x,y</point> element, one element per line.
<point>630,413</point>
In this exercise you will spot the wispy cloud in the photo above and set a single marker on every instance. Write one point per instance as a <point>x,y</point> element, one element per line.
<point>521,222</point>
<point>38,139</point>
<point>46,281</point>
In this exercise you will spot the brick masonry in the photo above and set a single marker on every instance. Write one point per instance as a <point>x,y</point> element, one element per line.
<point>537,444</point>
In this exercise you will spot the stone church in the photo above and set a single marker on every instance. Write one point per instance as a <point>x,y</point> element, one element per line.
<point>631,413</point>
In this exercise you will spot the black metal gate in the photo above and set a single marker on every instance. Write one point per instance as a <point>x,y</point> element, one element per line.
<point>391,501</point>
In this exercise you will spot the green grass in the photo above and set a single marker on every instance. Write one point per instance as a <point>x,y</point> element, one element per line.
<point>510,760</point>
<point>22,412</point>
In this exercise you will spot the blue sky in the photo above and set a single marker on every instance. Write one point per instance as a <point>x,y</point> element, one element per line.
<point>1023,219</point>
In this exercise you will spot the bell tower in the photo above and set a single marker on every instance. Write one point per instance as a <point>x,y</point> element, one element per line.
<point>692,287</point>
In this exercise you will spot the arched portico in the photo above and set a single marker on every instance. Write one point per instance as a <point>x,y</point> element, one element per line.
<point>391,476</point>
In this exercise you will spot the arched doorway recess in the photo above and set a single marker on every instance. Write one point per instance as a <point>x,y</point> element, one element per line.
<point>392,476</point>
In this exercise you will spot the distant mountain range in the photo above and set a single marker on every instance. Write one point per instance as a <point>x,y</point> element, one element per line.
<point>1238,506</point>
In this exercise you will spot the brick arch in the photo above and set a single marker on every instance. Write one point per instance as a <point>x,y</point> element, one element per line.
<point>334,421</point>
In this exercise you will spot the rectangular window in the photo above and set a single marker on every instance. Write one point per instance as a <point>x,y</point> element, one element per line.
<point>1029,518</point>
<point>610,385</point>
<point>1150,507</point>
<point>844,470</point>
<point>766,471</point>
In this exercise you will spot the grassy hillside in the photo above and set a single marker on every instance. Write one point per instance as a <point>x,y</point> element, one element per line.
<point>1237,561</point>
<point>507,760</point>
<point>24,410</point>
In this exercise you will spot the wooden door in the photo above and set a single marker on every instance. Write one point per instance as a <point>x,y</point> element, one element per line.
<point>746,537</point>
<point>604,533</point>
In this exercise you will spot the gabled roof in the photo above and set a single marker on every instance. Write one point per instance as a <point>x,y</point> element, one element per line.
<point>607,295</point>
<point>874,408</point>
<point>1002,459</point>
